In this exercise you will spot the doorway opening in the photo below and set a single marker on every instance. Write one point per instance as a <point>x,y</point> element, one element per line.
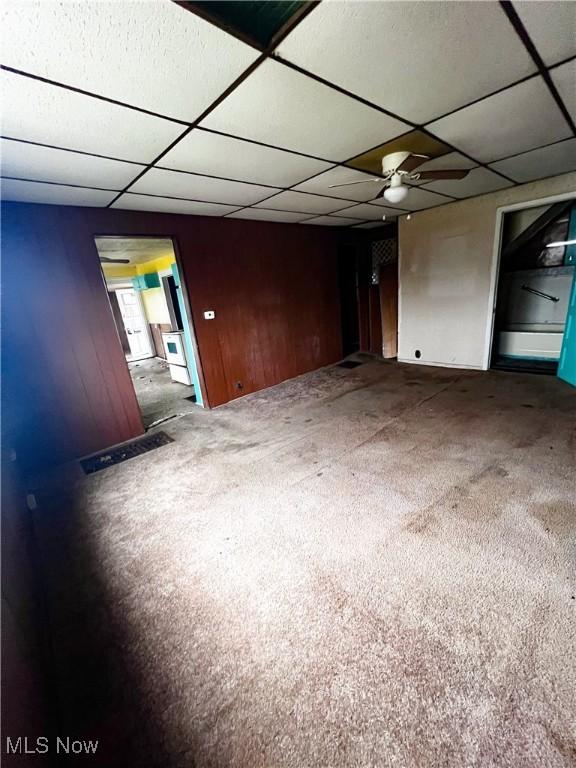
<point>146,301</point>
<point>535,281</point>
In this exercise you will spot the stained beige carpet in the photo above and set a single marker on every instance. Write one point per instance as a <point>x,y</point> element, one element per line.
<point>367,568</point>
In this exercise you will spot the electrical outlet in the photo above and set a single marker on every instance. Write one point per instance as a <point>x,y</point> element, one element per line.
<point>209,314</point>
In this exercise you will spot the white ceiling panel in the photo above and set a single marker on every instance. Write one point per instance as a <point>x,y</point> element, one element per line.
<point>418,60</point>
<point>298,201</point>
<point>478,182</point>
<point>368,225</point>
<point>331,221</point>
<point>166,205</point>
<point>218,155</point>
<point>154,55</point>
<point>53,194</point>
<point>30,161</point>
<point>279,106</point>
<point>366,211</point>
<point>518,119</point>
<point>175,184</point>
<point>551,26</point>
<point>320,185</point>
<point>565,80</point>
<point>51,115</point>
<point>261,214</point>
<point>419,199</point>
<point>540,163</point>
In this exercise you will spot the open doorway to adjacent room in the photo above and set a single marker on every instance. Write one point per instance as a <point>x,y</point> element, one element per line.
<point>536,275</point>
<point>146,300</point>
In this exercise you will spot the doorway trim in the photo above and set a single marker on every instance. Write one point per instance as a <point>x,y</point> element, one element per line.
<point>121,232</point>
<point>495,265</point>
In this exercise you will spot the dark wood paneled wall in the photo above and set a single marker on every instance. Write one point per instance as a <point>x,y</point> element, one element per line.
<point>388,286</point>
<point>117,314</point>
<point>67,390</point>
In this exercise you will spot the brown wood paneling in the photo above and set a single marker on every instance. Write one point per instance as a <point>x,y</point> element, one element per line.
<point>364,266</point>
<point>375,319</point>
<point>122,335</point>
<point>273,287</point>
<point>389,308</point>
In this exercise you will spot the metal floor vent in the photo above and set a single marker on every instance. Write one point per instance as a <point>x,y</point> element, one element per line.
<point>128,451</point>
<point>349,364</point>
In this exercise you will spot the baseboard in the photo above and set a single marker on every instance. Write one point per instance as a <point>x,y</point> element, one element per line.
<point>461,366</point>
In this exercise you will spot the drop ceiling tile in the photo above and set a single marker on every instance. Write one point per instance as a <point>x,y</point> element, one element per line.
<point>31,161</point>
<point>368,225</point>
<point>367,211</point>
<point>418,60</point>
<point>540,163</point>
<point>453,160</point>
<point>564,78</point>
<point>153,55</point>
<point>320,185</point>
<point>175,184</point>
<point>261,214</point>
<point>518,119</point>
<point>551,27</point>
<point>50,115</point>
<point>132,202</point>
<point>53,194</point>
<point>299,201</point>
<point>418,199</point>
<point>217,155</point>
<point>478,181</point>
<point>277,105</point>
<point>415,142</point>
<point>331,221</point>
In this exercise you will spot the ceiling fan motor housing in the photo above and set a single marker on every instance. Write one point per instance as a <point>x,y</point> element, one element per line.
<point>390,163</point>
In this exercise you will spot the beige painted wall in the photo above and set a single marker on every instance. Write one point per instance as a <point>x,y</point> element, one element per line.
<point>445,270</point>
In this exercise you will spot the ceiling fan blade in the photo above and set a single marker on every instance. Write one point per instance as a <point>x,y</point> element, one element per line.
<point>108,260</point>
<point>460,174</point>
<point>411,162</point>
<point>349,183</point>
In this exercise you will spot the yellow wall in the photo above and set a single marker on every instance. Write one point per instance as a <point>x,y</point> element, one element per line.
<point>153,299</point>
<point>156,265</point>
<point>119,270</point>
<point>155,305</point>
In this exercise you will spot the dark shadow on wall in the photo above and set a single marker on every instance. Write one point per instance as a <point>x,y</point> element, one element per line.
<point>28,706</point>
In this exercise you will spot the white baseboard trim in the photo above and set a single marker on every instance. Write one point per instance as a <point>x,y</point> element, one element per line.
<point>441,365</point>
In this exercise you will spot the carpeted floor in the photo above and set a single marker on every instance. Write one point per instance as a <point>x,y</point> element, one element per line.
<point>363,568</point>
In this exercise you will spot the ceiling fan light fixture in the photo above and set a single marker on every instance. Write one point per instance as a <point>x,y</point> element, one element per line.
<point>396,193</point>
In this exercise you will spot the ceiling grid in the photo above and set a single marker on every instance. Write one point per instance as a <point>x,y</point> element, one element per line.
<point>198,116</point>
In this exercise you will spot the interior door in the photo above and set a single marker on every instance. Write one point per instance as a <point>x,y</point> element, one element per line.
<point>135,323</point>
<point>567,364</point>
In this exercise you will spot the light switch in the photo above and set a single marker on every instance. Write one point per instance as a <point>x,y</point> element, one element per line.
<point>209,314</point>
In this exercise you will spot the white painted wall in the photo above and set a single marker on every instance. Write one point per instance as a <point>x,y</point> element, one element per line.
<point>446,273</point>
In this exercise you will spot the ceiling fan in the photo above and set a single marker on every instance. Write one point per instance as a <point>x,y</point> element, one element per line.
<point>108,260</point>
<point>397,168</point>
